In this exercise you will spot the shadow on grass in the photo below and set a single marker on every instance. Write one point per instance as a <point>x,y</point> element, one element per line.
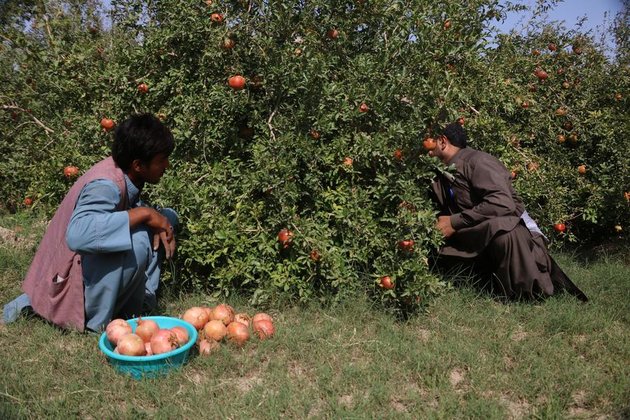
<point>593,252</point>
<point>476,278</point>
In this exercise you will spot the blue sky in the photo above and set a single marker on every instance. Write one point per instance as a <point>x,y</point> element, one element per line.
<point>570,11</point>
<point>599,14</point>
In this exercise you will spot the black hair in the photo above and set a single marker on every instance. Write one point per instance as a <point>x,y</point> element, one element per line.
<point>456,134</point>
<point>142,136</point>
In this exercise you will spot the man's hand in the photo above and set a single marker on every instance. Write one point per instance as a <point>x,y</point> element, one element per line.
<point>159,224</point>
<point>444,225</point>
<point>168,240</point>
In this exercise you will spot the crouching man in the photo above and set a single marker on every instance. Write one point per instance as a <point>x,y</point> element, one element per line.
<point>100,256</point>
<point>485,224</point>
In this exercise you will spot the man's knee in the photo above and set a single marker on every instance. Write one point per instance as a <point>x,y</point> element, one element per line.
<point>171,215</point>
<point>502,240</point>
<point>499,246</point>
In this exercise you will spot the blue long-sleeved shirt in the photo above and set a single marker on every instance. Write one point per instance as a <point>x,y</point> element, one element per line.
<point>96,225</point>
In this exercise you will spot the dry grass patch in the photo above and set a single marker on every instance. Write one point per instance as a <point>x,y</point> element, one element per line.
<point>517,408</point>
<point>458,378</point>
<point>423,335</point>
<point>346,401</point>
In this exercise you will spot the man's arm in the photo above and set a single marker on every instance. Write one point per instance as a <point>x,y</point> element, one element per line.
<point>96,226</point>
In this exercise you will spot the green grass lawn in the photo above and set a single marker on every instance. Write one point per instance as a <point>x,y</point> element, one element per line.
<point>469,356</point>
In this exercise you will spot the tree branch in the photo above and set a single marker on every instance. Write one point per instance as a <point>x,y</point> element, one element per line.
<point>273,136</point>
<point>37,121</point>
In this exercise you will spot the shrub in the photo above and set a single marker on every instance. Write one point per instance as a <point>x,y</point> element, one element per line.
<point>325,137</point>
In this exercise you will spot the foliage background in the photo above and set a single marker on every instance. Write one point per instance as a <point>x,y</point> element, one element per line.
<point>251,162</point>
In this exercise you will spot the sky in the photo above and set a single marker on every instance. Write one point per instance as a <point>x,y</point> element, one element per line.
<point>597,13</point>
<point>570,11</point>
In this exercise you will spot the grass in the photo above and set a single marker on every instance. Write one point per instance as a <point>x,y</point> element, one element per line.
<point>468,357</point>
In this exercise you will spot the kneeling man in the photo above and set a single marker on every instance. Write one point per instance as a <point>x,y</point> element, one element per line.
<point>100,255</point>
<point>485,223</point>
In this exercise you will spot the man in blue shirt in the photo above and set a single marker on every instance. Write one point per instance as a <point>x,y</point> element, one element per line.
<point>110,238</point>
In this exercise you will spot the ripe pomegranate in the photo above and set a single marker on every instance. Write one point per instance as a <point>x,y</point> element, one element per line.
<point>398,154</point>
<point>243,318</point>
<point>215,329</point>
<point>237,82</point>
<point>260,316</point>
<point>163,341</point>
<point>70,172</point>
<point>146,329</point>
<point>429,143</point>
<point>559,227</point>
<point>116,329</point>
<point>285,237</point>
<point>224,313</point>
<point>582,169</point>
<point>216,18</point>
<point>28,201</point>
<point>107,124</point>
<point>143,88</point>
<point>238,333</point>
<point>228,43</point>
<point>197,316</point>
<point>406,245</point>
<point>131,345</point>
<point>364,107</point>
<point>332,33</point>
<point>561,112</point>
<point>264,329</point>
<point>541,74</point>
<point>208,311</point>
<point>386,282</point>
<point>207,347</point>
<point>182,335</point>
